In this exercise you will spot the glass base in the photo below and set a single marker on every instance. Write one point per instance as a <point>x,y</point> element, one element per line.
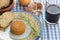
<point>49,22</point>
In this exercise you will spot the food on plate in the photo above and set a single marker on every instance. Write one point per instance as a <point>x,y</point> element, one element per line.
<point>35,7</point>
<point>32,22</point>
<point>5,19</point>
<point>4,3</point>
<point>17,27</point>
<point>29,31</point>
<point>24,2</point>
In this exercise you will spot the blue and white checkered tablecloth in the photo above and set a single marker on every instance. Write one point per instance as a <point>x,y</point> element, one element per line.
<point>49,31</point>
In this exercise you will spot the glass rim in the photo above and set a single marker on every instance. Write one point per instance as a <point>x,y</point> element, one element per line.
<point>50,6</point>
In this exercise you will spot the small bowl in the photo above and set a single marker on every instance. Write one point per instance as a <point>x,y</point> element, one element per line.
<point>8,8</point>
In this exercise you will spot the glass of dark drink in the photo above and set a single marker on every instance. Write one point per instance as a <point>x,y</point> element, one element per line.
<point>52,14</point>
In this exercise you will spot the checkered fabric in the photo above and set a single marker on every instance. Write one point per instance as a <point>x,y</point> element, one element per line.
<point>49,31</point>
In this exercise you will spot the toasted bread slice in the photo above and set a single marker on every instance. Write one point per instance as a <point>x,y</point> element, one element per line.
<point>6,18</point>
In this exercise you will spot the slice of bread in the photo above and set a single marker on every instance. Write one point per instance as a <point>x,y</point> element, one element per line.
<point>4,3</point>
<point>5,19</point>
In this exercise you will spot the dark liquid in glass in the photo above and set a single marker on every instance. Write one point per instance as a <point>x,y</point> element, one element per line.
<point>52,13</point>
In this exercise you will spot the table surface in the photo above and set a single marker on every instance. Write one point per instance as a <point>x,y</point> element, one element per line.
<point>49,31</point>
